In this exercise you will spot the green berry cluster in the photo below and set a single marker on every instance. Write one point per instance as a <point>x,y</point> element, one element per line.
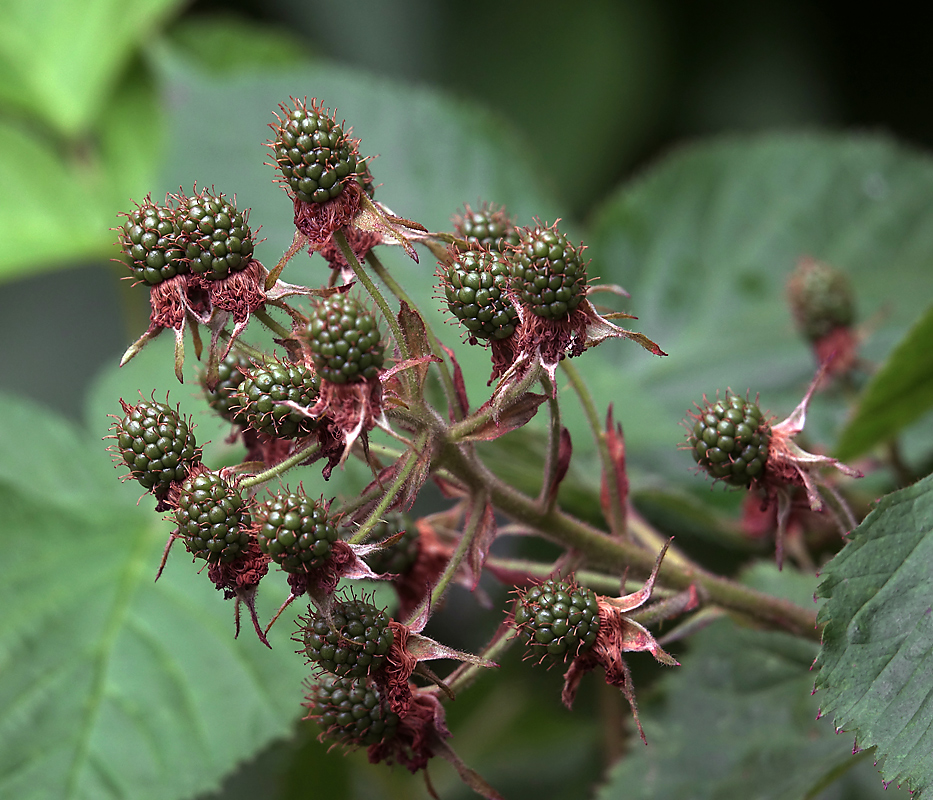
<point>355,646</point>
<point>217,237</point>
<point>558,617</point>
<point>548,272</point>
<point>294,530</point>
<point>231,372</point>
<point>489,228</point>
<point>821,299</point>
<point>264,393</point>
<point>344,339</point>
<point>314,155</point>
<point>156,443</point>
<point>151,244</point>
<point>213,518</point>
<point>399,557</point>
<point>729,440</point>
<point>475,286</point>
<point>350,712</point>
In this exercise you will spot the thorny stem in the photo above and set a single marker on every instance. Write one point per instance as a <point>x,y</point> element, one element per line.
<point>552,457</point>
<point>277,469</point>
<point>298,242</point>
<point>374,292</point>
<point>393,285</point>
<point>390,493</point>
<point>263,316</point>
<point>613,552</point>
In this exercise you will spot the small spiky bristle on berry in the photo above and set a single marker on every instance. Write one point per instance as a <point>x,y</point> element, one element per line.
<point>151,243</point>
<point>218,240</point>
<point>558,618</point>
<point>488,228</point>
<point>350,712</point>
<point>344,340</point>
<point>213,517</point>
<point>295,531</point>
<point>156,442</point>
<point>352,641</point>
<point>729,439</point>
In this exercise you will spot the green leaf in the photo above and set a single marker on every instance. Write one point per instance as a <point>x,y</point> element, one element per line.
<point>112,685</point>
<point>876,663</point>
<point>705,242</point>
<point>899,393</point>
<point>737,722</point>
<point>61,59</point>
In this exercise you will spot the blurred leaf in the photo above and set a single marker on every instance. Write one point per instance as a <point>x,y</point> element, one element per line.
<point>876,663</point>
<point>738,722</point>
<point>899,393</point>
<point>65,199</point>
<point>705,242</point>
<point>112,685</point>
<point>61,59</point>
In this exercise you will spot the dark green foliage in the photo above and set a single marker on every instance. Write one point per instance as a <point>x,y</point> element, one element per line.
<point>150,242</point>
<point>349,711</point>
<point>314,155</point>
<point>558,617</point>
<point>729,440</point>
<point>217,237</point>
<point>548,272</point>
<point>156,443</point>
<point>294,530</point>
<point>475,287</point>
<point>357,644</point>
<point>213,518</point>
<point>344,339</point>
<point>264,392</point>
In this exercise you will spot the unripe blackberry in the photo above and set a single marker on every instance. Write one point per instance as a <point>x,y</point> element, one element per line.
<point>295,531</point>
<point>150,242</point>
<point>729,439</point>
<point>217,237</point>
<point>351,712</point>
<point>821,299</point>
<point>475,286</point>
<point>222,398</point>
<point>490,228</point>
<point>156,443</point>
<point>213,518</point>
<point>263,395</point>
<point>344,339</point>
<point>401,556</point>
<point>314,155</point>
<point>558,617</point>
<point>548,272</point>
<point>358,644</point>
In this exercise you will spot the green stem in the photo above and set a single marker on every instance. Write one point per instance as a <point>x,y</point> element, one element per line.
<point>374,292</point>
<point>464,428</point>
<point>547,498</point>
<point>274,471</point>
<point>263,316</point>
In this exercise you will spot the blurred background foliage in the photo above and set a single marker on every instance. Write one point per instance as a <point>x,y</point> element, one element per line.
<point>103,101</point>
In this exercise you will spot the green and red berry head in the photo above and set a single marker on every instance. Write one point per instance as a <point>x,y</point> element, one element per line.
<point>548,272</point>
<point>218,239</point>
<point>156,442</point>
<point>151,244</point>
<point>489,228</point>
<point>231,372</point>
<point>344,340</point>
<point>352,643</point>
<point>350,712</point>
<point>400,556</point>
<point>821,299</point>
<point>475,286</point>
<point>558,618</point>
<point>267,396</point>
<point>729,439</point>
<point>213,518</point>
<point>295,531</point>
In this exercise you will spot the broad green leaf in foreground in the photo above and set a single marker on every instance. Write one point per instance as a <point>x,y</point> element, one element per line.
<point>738,722</point>
<point>876,663</point>
<point>899,393</point>
<point>113,686</point>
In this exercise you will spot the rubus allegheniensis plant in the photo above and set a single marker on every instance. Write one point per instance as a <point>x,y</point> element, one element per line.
<point>358,372</point>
